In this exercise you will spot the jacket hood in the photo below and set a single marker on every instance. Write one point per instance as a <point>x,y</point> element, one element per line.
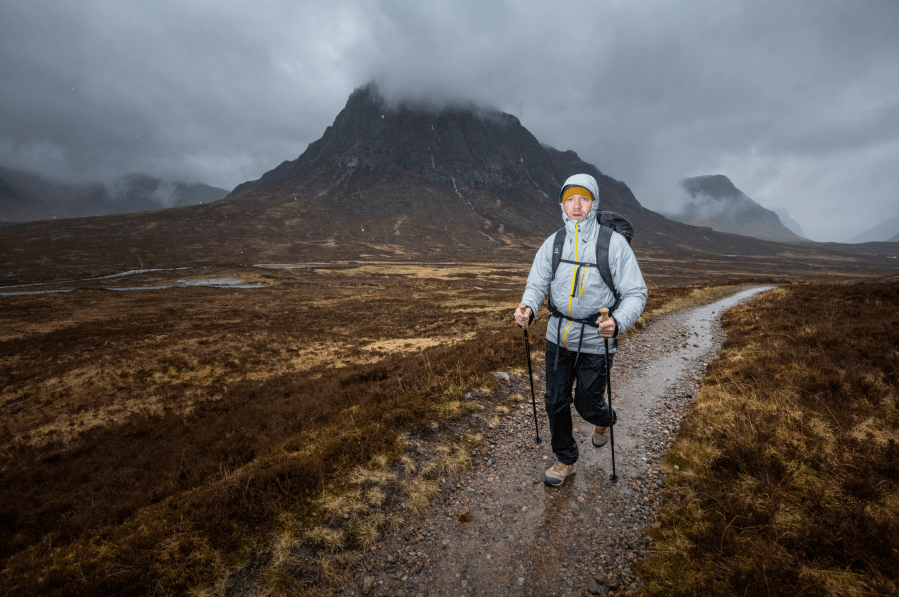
<point>589,183</point>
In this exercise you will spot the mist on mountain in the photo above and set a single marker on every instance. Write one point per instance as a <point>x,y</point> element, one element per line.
<point>25,196</point>
<point>714,202</point>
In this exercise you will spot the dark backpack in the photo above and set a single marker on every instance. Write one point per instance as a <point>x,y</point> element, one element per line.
<point>609,223</point>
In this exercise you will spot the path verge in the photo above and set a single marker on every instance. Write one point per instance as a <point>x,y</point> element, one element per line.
<point>786,479</point>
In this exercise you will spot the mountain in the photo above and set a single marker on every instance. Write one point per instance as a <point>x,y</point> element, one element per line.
<point>718,204</point>
<point>407,166</point>
<point>393,182</point>
<point>883,232</point>
<point>26,197</point>
<point>789,222</point>
<point>461,181</point>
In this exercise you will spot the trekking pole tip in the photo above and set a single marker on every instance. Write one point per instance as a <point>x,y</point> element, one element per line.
<point>613,478</point>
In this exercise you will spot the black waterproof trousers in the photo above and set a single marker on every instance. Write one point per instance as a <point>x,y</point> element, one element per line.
<point>589,396</point>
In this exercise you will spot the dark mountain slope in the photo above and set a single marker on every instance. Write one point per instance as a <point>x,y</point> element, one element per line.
<point>469,152</point>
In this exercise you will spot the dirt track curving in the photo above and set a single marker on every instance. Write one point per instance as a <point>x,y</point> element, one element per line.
<point>498,530</point>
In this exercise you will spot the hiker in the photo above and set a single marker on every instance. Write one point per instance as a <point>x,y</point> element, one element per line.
<point>574,337</point>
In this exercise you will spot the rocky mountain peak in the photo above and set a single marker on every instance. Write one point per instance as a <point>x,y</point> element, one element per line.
<point>456,145</point>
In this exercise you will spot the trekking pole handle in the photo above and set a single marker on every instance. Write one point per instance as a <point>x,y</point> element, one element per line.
<point>522,307</point>
<point>603,314</point>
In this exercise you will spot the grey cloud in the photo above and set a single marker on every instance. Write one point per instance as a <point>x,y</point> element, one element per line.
<point>796,102</point>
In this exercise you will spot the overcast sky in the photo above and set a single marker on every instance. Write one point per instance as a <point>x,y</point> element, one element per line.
<point>796,101</point>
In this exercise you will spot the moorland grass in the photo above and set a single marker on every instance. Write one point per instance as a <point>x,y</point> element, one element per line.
<point>173,499</point>
<point>785,480</point>
<point>216,516</point>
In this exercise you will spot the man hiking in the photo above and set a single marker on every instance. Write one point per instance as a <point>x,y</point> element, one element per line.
<point>575,348</point>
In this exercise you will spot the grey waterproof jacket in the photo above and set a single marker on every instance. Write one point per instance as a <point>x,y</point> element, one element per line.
<point>591,293</point>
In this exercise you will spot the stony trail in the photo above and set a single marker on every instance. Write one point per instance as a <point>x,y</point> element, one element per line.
<point>498,530</point>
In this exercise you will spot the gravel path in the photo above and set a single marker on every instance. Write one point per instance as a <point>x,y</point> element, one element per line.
<point>498,530</point>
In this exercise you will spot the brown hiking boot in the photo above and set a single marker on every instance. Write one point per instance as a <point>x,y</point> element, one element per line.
<point>600,436</point>
<point>557,473</point>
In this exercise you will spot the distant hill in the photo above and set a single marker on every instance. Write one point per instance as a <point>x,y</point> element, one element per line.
<point>716,203</point>
<point>26,197</point>
<point>789,222</point>
<point>894,239</point>
<point>884,232</point>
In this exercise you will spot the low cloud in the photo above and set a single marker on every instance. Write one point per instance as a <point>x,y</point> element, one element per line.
<point>164,194</point>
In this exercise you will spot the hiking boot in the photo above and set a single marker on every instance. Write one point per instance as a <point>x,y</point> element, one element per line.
<point>556,474</point>
<point>600,436</point>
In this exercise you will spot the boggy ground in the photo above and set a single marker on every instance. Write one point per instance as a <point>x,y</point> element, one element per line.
<point>498,530</point>
<point>153,440</point>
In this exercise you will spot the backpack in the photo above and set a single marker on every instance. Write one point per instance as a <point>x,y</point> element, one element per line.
<point>609,223</point>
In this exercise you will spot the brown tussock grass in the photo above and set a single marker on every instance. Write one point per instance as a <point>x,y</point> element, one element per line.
<point>788,479</point>
<point>209,423</point>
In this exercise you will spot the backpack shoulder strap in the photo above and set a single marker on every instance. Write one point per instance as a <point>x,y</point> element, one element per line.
<point>603,240</point>
<point>558,242</point>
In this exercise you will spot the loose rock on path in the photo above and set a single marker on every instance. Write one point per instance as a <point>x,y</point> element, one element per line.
<point>498,530</point>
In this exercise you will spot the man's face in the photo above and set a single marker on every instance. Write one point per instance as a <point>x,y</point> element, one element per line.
<point>577,207</point>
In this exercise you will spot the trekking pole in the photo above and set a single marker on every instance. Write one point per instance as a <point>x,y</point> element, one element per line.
<point>527,349</point>
<point>604,316</point>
